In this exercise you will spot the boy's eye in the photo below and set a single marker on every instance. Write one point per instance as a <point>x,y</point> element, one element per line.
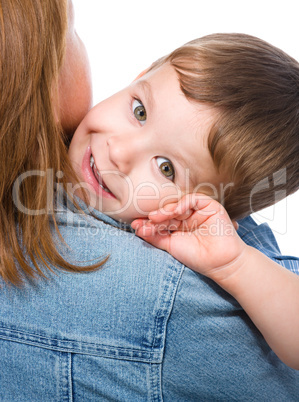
<point>166,167</point>
<point>139,111</point>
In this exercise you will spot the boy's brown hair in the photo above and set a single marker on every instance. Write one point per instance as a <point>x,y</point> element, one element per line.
<point>254,88</point>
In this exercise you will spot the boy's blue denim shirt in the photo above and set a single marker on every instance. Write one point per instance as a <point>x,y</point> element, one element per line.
<point>142,327</point>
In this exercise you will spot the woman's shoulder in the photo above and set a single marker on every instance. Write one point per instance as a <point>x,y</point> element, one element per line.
<point>118,311</point>
<point>90,235</point>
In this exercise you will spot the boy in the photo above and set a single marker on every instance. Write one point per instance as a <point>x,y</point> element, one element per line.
<point>215,117</point>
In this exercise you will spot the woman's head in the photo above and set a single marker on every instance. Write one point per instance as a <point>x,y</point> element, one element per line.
<point>43,64</point>
<point>75,92</point>
<point>39,56</point>
<point>254,88</point>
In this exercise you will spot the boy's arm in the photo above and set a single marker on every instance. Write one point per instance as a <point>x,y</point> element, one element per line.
<point>269,294</point>
<point>198,232</point>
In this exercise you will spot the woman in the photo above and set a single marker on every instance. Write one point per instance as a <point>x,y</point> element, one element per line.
<point>141,328</point>
<point>29,83</point>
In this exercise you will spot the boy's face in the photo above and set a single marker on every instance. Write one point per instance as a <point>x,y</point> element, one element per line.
<point>144,147</point>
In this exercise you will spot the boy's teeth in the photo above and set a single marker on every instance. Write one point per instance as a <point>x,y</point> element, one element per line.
<point>97,174</point>
<point>105,189</point>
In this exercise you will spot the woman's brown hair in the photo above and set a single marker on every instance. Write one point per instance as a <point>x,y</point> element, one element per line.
<point>32,46</point>
<point>254,89</point>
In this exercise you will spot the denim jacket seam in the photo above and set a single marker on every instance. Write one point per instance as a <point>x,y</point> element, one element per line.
<point>79,347</point>
<point>172,280</point>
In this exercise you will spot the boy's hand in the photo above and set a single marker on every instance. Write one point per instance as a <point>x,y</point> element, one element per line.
<point>198,232</point>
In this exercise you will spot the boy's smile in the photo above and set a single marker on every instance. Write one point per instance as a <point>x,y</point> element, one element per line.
<point>144,147</point>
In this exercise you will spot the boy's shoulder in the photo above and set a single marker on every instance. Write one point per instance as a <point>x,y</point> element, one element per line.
<point>261,237</point>
<point>257,235</point>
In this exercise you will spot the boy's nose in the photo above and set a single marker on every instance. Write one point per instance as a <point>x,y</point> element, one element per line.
<point>124,151</point>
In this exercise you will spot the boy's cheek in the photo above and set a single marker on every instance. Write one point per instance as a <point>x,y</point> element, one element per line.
<point>148,198</point>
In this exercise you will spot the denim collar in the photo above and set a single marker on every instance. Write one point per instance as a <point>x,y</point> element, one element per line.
<point>68,204</point>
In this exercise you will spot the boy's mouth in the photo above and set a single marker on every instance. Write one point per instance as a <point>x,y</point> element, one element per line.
<point>98,176</point>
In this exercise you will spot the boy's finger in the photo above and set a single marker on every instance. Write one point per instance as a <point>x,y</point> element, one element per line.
<point>163,214</point>
<point>201,203</point>
<point>137,223</point>
<point>150,229</point>
<point>194,201</point>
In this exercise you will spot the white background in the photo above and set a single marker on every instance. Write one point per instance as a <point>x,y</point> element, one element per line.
<point>123,37</point>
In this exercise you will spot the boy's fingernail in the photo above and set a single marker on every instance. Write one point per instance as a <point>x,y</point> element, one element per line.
<point>152,213</point>
<point>178,210</point>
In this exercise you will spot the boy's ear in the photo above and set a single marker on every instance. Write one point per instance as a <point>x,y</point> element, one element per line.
<point>141,74</point>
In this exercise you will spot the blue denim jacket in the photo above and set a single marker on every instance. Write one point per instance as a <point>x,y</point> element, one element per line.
<point>143,327</point>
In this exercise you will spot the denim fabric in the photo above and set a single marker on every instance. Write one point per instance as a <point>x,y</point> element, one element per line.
<point>143,327</point>
<point>262,238</point>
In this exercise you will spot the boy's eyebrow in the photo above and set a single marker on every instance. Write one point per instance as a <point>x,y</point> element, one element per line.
<point>146,88</point>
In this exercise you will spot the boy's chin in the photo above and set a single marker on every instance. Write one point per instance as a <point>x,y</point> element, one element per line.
<point>96,204</point>
<point>119,217</point>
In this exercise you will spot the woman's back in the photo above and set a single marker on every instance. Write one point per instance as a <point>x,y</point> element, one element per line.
<point>143,327</point>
